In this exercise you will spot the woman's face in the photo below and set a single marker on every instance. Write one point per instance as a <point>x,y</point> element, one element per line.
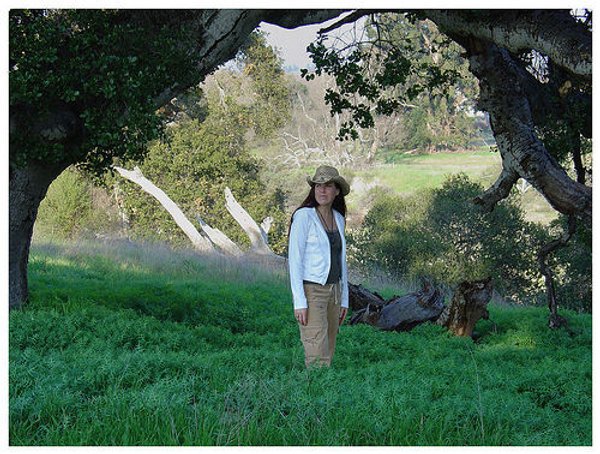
<point>326,192</point>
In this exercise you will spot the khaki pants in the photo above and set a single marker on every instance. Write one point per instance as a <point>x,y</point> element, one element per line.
<point>319,334</point>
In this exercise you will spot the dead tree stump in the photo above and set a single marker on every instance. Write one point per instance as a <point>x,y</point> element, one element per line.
<point>468,305</point>
<point>360,297</point>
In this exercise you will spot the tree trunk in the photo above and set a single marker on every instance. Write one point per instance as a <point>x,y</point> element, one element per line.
<point>27,188</point>
<point>468,305</point>
<point>405,312</point>
<point>555,320</point>
<point>522,152</point>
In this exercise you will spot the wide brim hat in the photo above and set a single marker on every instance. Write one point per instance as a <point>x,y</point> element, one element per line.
<point>325,174</point>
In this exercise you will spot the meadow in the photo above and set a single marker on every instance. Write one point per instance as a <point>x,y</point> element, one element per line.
<point>127,345</point>
<point>405,173</point>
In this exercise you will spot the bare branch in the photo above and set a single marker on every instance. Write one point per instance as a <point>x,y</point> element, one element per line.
<point>136,176</point>
<point>352,17</point>
<point>258,238</point>
<point>219,238</point>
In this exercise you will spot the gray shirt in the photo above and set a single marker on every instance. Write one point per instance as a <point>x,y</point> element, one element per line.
<point>335,244</point>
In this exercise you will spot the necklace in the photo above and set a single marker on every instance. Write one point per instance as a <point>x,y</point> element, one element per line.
<point>325,223</point>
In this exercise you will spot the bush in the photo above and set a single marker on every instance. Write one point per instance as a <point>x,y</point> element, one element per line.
<point>74,207</point>
<point>440,234</point>
<point>572,267</point>
<point>67,206</point>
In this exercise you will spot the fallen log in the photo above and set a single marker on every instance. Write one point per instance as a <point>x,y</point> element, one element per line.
<point>360,297</point>
<point>403,313</point>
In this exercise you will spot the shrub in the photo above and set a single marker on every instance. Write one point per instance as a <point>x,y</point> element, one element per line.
<point>67,206</point>
<point>440,234</point>
<point>572,267</point>
<point>75,207</point>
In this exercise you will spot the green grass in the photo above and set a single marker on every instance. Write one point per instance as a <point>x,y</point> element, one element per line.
<point>124,345</point>
<point>410,173</point>
<point>405,174</point>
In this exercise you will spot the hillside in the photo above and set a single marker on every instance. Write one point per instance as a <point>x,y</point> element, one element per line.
<point>141,345</point>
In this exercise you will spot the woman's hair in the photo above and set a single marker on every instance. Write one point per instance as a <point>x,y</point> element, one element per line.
<point>339,203</point>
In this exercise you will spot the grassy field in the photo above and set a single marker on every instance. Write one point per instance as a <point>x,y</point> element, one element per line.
<point>141,345</point>
<point>408,173</point>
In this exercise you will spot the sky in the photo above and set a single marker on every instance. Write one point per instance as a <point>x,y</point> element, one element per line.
<point>292,43</point>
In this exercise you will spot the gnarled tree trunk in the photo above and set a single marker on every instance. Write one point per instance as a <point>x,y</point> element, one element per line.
<point>27,188</point>
<point>468,306</point>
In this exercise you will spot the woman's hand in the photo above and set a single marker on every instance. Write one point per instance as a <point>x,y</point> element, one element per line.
<point>302,316</point>
<point>343,312</point>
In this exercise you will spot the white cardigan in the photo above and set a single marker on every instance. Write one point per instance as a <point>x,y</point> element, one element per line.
<point>309,254</point>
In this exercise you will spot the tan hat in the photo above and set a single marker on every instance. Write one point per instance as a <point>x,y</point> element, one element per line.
<point>325,174</point>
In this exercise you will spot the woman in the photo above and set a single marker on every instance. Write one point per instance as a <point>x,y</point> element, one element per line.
<point>317,262</point>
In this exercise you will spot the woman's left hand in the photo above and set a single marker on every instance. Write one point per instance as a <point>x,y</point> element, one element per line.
<point>343,312</point>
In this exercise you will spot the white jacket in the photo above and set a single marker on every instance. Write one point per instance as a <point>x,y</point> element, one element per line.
<point>309,254</point>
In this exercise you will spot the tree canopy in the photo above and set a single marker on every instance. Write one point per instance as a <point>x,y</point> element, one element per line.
<point>534,73</point>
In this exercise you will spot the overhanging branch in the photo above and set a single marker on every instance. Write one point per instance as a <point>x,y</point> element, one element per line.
<point>554,33</point>
<point>503,97</point>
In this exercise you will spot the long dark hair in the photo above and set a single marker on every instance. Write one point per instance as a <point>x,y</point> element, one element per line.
<point>339,204</point>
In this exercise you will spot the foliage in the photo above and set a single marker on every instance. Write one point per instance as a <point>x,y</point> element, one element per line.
<point>200,159</point>
<point>270,107</point>
<point>407,66</point>
<point>114,61</point>
<point>440,234</point>
<point>75,207</point>
<point>120,347</point>
<point>67,207</point>
<point>572,267</point>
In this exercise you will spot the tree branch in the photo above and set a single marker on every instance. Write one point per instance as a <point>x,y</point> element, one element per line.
<point>555,320</point>
<point>352,17</point>
<point>554,33</point>
<point>136,176</point>
<point>297,18</point>
<point>498,191</point>
<point>502,95</point>
<point>258,237</point>
<point>219,238</point>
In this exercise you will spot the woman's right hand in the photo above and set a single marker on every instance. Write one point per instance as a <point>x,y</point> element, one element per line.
<point>302,316</point>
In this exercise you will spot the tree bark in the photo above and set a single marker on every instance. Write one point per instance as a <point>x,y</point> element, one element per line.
<point>258,237</point>
<point>522,152</point>
<point>552,32</point>
<point>219,239</point>
<point>468,306</point>
<point>405,312</point>
<point>555,320</point>
<point>27,188</point>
